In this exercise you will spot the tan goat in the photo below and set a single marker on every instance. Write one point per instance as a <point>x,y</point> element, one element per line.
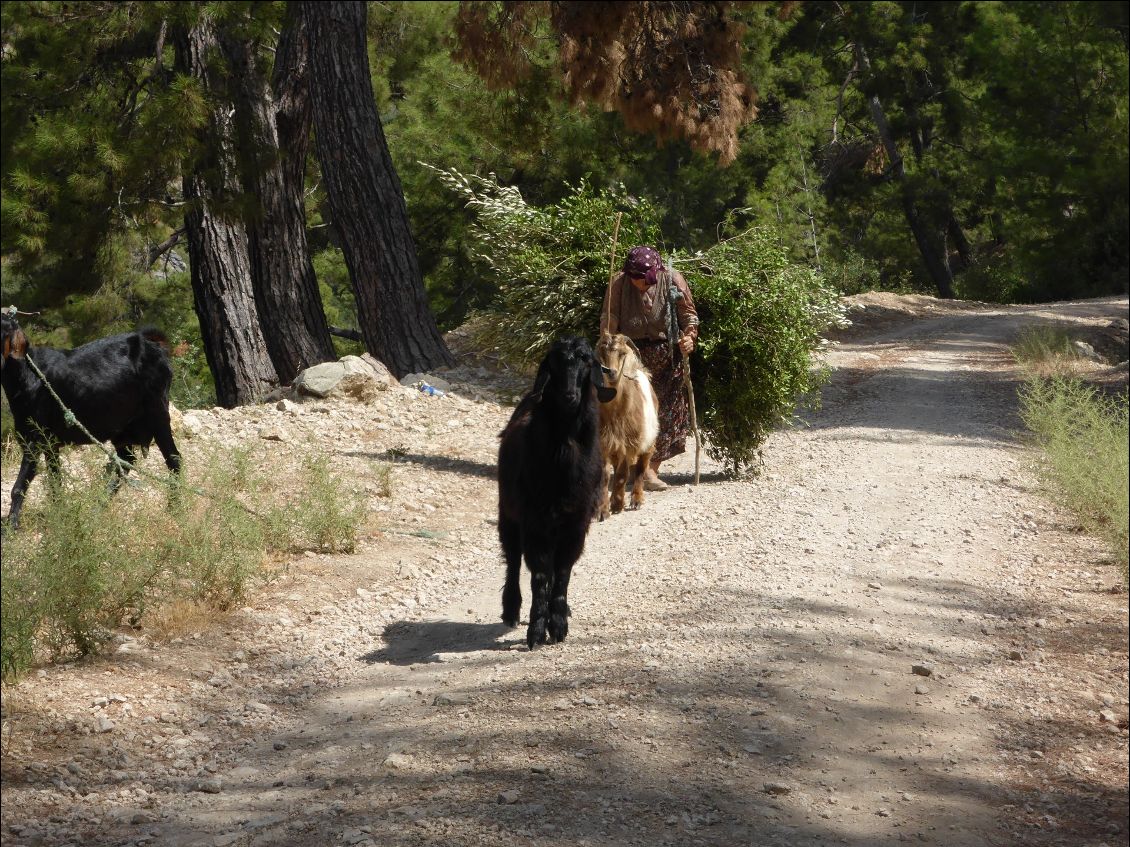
<point>629,424</point>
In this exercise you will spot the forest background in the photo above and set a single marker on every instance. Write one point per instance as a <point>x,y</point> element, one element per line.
<point>968,149</point>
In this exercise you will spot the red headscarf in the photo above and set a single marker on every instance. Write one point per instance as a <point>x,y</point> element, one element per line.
<point>645,262</point>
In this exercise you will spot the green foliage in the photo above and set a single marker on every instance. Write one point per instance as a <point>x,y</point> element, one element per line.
<point>1085,438</point>
<point>1010,115</point>
<point>83,564</point>
<point>322,517</point>
<point>551,264</point>
<point>762,314</point>
<point>95,128</point>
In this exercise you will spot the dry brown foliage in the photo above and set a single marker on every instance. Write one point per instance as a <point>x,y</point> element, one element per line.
<point>672,69</point>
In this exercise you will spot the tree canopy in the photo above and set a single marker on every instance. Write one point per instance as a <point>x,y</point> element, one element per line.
<point>977,149</point>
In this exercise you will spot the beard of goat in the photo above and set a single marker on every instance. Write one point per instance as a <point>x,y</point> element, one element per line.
<point>549,471</point>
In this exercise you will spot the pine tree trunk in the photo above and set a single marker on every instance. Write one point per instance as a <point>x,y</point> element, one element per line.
<point>365,198</point>
<point>931,245</point>
<point>217,244</point>
<point>282,275</point>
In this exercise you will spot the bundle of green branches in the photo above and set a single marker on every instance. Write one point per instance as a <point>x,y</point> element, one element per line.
<point>762,315</point>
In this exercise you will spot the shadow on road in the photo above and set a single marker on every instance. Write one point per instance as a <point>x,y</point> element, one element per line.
<point>416,642</point>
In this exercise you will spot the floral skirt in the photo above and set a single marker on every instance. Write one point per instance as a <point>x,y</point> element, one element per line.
<point>674,412</point>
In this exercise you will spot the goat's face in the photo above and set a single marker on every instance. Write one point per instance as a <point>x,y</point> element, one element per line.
<point>12,339</point>
<point>567,373</point>
<point>619,357</point>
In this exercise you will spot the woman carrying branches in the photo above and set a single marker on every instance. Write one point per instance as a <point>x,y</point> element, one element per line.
<point>646,302</point>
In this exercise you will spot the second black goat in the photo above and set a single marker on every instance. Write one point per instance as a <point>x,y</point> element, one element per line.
<point>549,472</point>
<point>117,387</point>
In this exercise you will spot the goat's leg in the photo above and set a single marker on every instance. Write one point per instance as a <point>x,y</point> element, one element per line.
<point>510,534</point>
<point>54,469</point>
<point>619,481</point>
<point>565,557</point>
<point>115,473</point>
<point>640,470</point>
<point>539,558</point>
<point>29,465</point>
<point>163,435</point>
<point>604,511</point>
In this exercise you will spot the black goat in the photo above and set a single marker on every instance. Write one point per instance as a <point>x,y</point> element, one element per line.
<point>117,387</point>
<point>549,471</point>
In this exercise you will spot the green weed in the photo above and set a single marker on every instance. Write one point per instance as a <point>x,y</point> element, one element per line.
<point>84,564</point>
<point>1046,351</point>
<point>1084,436</point>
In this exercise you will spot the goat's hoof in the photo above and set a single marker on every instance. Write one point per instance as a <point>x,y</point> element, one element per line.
<point>536,635</point>
<point>510,622</point>
<point>558,628</point>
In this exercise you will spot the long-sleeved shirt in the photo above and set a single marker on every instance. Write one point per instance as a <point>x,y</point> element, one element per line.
<point>642,315</point>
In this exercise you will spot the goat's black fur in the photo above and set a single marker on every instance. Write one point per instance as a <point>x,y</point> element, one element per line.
<point>117,387</point>
<point>549,471</point>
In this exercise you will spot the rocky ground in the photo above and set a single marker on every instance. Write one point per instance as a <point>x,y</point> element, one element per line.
<point>890,635</point>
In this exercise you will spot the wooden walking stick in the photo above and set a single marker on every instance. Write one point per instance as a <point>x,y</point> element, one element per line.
<point>673,296</point>
<point>612,270</point>
<point>694,415</point>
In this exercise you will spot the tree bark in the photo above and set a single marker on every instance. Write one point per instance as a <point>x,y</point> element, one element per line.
<point>931,244</point>
<point>365,197</point>
<point>273,137</point>
<point>217,242</point>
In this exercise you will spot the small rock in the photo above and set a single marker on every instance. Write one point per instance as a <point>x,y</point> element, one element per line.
<point>508,797</point>
<point>921,689</point>
<point>1107,716</point>
<point>104,724</point>
<point>453,700</point>
<point>280,745</point>
<point>875,585</point>
<point>397,761</point>
<point>778,788</point>
<point>923,669</point>
<point>883,813</point>
<point>1016,655</point>
<point>209,786</point>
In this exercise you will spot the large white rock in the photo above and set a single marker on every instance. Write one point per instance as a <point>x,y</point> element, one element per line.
<point>353,376</point>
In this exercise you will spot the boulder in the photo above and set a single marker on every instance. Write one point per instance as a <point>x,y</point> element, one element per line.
<point>359,377</point>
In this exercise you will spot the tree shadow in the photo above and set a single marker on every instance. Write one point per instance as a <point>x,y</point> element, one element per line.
<point>447,464</point>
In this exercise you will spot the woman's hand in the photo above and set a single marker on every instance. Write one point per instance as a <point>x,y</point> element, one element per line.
<point>686,344</point>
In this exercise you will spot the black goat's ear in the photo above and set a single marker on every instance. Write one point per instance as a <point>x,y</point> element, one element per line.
<point>596,375</point>
<point>542,380</point>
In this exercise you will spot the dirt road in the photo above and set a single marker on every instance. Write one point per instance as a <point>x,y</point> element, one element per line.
<point>888,636</point>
